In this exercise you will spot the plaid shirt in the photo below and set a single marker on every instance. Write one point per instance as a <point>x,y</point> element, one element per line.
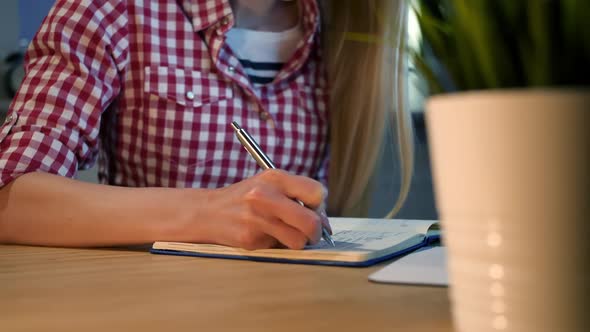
<point>151,88</point>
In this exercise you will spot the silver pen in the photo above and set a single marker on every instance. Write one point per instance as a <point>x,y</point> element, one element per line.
<point>264,161</point>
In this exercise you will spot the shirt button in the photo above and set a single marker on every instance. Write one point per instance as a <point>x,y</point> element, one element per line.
<point>263,116</point>
<point>8,118</point>
<point>190,95</point>
<point>231,68</point>
<point>225,21</point>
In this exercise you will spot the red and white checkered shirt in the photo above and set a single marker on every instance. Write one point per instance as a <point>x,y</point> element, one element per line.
<point>152,88</point>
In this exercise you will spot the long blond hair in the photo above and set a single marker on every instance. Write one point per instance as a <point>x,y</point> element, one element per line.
<point>363,47</point>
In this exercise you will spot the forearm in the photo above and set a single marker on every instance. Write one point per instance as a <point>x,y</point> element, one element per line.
<point>45,209</point>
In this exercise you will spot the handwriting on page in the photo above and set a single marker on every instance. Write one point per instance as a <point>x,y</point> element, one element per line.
<point>360,240</point>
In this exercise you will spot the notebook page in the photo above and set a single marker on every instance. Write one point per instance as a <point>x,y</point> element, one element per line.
<point>383,225</point>
<point>362,240</point>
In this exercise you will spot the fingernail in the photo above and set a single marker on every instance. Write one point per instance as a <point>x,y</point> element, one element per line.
<point>325,220</point>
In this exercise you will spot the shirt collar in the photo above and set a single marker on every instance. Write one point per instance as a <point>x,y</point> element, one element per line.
<point>205,13</point>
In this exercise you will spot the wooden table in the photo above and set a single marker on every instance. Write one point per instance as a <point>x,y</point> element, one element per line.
<point>53,289</point>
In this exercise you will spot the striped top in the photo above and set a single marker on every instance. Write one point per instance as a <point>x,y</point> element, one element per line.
<point>263,53</point>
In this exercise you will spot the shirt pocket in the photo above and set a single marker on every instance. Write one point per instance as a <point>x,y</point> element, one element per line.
<point>179,115</point>
<point>186,87</point>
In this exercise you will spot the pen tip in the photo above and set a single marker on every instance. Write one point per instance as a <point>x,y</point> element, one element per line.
<point>235,125</point>
<point>327,237</point>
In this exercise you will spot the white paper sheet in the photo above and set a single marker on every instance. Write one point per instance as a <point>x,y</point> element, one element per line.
<point>426,266</point>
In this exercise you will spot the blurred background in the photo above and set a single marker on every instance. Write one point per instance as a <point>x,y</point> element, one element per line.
<point>20,19</point>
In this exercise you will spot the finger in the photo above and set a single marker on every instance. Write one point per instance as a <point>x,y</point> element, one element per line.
<point>284,233</point>
<point>302,219</point>
<point>307,190</point>
<point>265,242</point>
<point>252,238</point>
<point>321,210</point>
<point>324,219</point>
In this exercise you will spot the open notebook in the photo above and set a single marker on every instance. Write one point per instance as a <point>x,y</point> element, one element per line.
<point>359,242</point>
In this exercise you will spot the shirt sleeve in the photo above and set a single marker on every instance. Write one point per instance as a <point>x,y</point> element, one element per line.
<point>73,68</point>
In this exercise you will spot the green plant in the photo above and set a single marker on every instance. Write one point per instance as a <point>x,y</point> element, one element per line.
<point>491,44</point>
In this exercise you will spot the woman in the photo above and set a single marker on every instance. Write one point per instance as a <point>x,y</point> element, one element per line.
<point>152,86</point>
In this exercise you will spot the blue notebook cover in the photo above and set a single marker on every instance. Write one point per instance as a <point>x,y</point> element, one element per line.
<point>380,239</point>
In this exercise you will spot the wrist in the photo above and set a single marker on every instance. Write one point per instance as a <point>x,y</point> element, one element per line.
<point>186,221</point>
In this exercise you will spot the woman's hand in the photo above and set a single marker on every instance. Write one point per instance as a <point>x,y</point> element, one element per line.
<point>261,212</point>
